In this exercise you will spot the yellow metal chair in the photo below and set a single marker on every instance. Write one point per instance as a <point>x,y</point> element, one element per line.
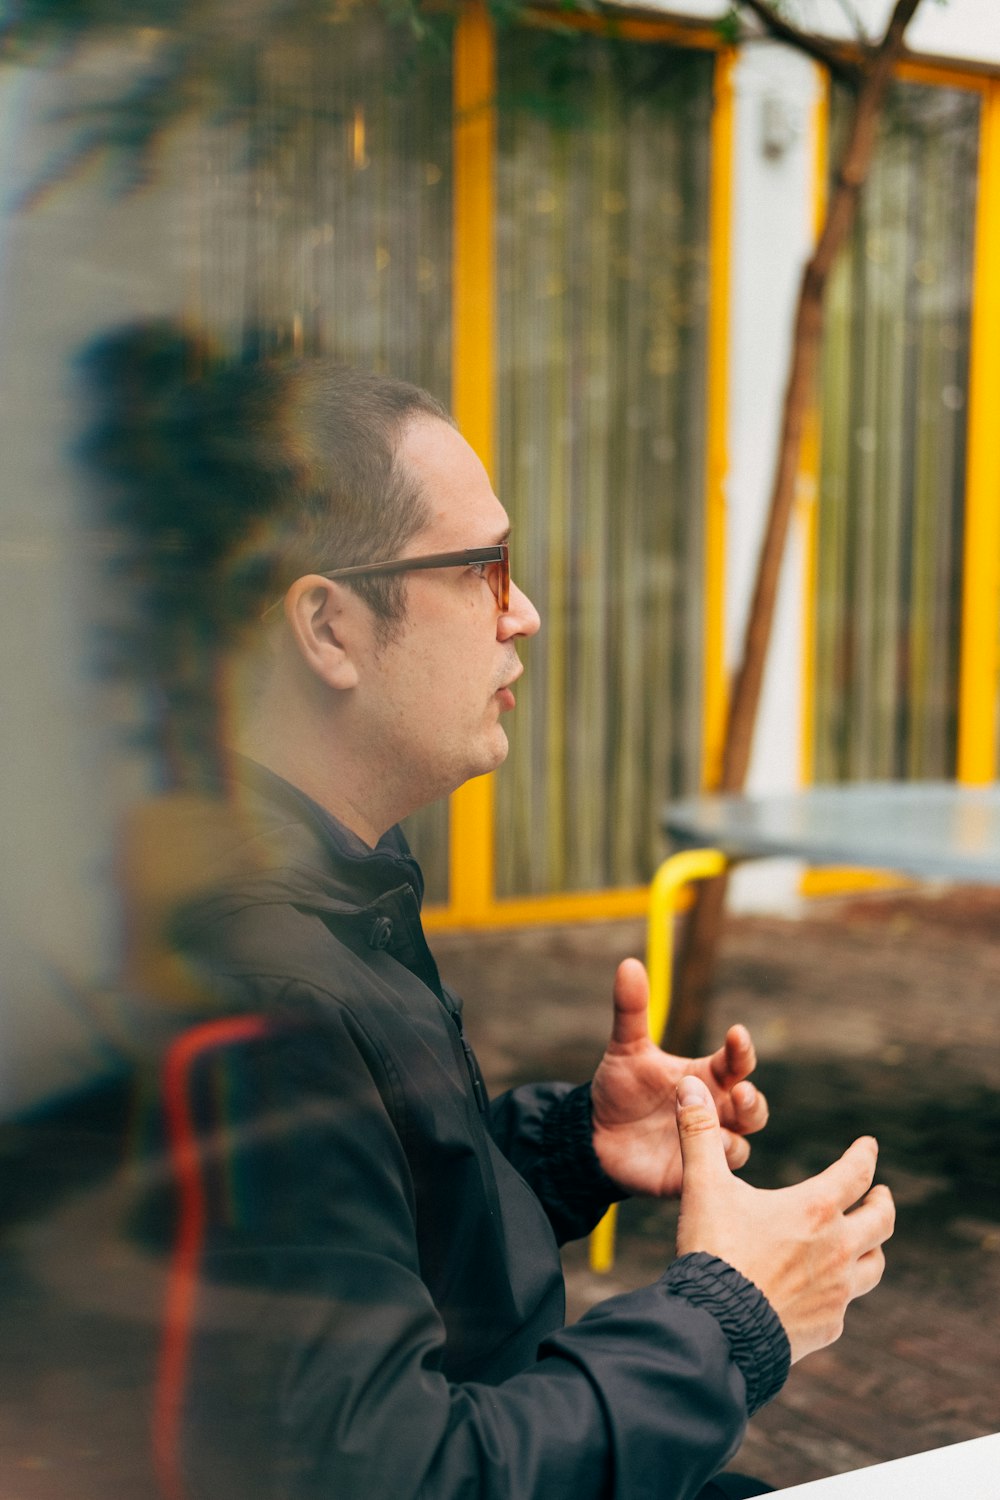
<point>675,873</point>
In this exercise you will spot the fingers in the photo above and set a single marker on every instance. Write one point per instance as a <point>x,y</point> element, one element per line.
<point>869,1271</point>
<point>737,1150</point>
<point>749,1109</point>
<point>873,1220</point>
<point>702,1146</point>
<point>631,1001</point>
<point>735,1059</point>
<point>848,1179</point>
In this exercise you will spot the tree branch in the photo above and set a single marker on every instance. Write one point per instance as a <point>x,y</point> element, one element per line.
<point>694,976</point>
<point>821,51</point>
<point>854,21</point>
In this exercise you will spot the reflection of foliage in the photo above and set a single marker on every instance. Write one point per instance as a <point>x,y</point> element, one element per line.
<point>32,24</point>
<point>554,78</point>
<point>181,482</point>
<point>201,58</point>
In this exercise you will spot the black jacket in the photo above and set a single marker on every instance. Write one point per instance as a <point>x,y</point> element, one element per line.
<point>380,1301</point>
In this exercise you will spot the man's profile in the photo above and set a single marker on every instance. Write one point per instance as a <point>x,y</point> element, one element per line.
<point>378,1300</point>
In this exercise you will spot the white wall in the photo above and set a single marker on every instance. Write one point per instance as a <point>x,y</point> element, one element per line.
<point>774,169</point>
<point>78,262</point>
<point>964,29</point>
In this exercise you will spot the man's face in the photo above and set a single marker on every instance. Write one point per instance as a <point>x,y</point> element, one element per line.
<point>435,693</point>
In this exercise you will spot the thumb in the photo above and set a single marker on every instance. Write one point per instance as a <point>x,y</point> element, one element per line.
<point>631,1001</point>
<point>702,1146</point>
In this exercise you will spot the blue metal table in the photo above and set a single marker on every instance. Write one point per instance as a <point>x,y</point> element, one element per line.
<point>932,829</point>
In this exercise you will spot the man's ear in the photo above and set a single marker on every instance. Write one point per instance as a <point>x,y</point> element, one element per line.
<point>326,623</point>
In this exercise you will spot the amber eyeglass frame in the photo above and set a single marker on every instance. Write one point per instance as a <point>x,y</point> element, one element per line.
<point>498,553</point>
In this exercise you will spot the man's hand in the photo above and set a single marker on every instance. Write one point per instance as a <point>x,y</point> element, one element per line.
<point>811,1249</point>
<point>634,1095</point>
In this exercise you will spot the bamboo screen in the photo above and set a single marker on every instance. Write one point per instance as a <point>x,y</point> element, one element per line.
<point>892,487</point>
<point>602,266</point>
<point>326,225</point>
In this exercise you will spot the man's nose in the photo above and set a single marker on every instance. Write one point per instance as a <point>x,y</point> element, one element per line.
<point>520,617</point>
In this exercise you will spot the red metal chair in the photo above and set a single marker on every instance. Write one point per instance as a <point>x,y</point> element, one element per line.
<point>182,1058</point>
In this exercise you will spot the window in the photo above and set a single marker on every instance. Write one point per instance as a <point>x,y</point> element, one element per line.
<point>602,218</point>
<point>894,417</point>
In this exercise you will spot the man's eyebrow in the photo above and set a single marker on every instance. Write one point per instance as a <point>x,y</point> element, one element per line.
<point>504,536</point>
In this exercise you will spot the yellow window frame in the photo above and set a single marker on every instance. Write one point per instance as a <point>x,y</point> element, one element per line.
<point>979,649</point>
<point>472,900</point>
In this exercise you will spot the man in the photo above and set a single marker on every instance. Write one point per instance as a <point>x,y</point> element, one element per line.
<point>379,1301</point>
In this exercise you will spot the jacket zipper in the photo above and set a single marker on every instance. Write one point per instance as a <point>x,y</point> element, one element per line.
<point>482,1103</point>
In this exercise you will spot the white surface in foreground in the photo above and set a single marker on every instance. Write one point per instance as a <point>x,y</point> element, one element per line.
<point>970,1470</point>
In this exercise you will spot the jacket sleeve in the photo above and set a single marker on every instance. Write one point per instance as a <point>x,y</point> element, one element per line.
<point>546,1132</point>
<point>314,1360</point>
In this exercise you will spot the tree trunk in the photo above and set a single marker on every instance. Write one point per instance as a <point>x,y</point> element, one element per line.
<point>685,1026</point>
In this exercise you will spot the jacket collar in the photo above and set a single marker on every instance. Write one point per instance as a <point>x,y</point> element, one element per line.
<point>365,874</point>
<point>310,859</point>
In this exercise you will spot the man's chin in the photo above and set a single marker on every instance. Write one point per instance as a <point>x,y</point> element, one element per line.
<point>502,748</point>
<point>494,753</point>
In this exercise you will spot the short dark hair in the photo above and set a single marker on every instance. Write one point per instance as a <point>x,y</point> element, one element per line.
<point>325,438</point>
<point>218,481</point>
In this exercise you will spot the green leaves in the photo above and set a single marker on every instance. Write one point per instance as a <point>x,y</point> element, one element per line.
<point>185,57</point>
<point>729,27</point>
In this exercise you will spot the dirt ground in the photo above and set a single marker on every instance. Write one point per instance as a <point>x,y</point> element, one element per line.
<point>880,1015</point>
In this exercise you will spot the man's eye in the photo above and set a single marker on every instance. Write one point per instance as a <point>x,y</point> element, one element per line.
<point>479,568</point>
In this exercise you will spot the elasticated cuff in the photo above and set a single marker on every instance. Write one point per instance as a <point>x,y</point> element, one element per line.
<point>756,1335</point>
<point>571,1166</point>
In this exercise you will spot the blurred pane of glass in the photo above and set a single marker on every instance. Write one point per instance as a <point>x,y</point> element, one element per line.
<point>603,176</point>
<point>892,484</point>
<point>325,225</point>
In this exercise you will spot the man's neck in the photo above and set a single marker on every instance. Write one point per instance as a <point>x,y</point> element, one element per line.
<point>321,782</point>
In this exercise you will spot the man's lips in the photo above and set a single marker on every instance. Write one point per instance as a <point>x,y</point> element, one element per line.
<point>504,693</point>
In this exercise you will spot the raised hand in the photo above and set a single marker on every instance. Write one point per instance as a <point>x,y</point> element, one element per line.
<point>634,1095</point>
<point>811,1248</point>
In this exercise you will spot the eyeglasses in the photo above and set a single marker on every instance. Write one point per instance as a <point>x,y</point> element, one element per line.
<point>493,564</point>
